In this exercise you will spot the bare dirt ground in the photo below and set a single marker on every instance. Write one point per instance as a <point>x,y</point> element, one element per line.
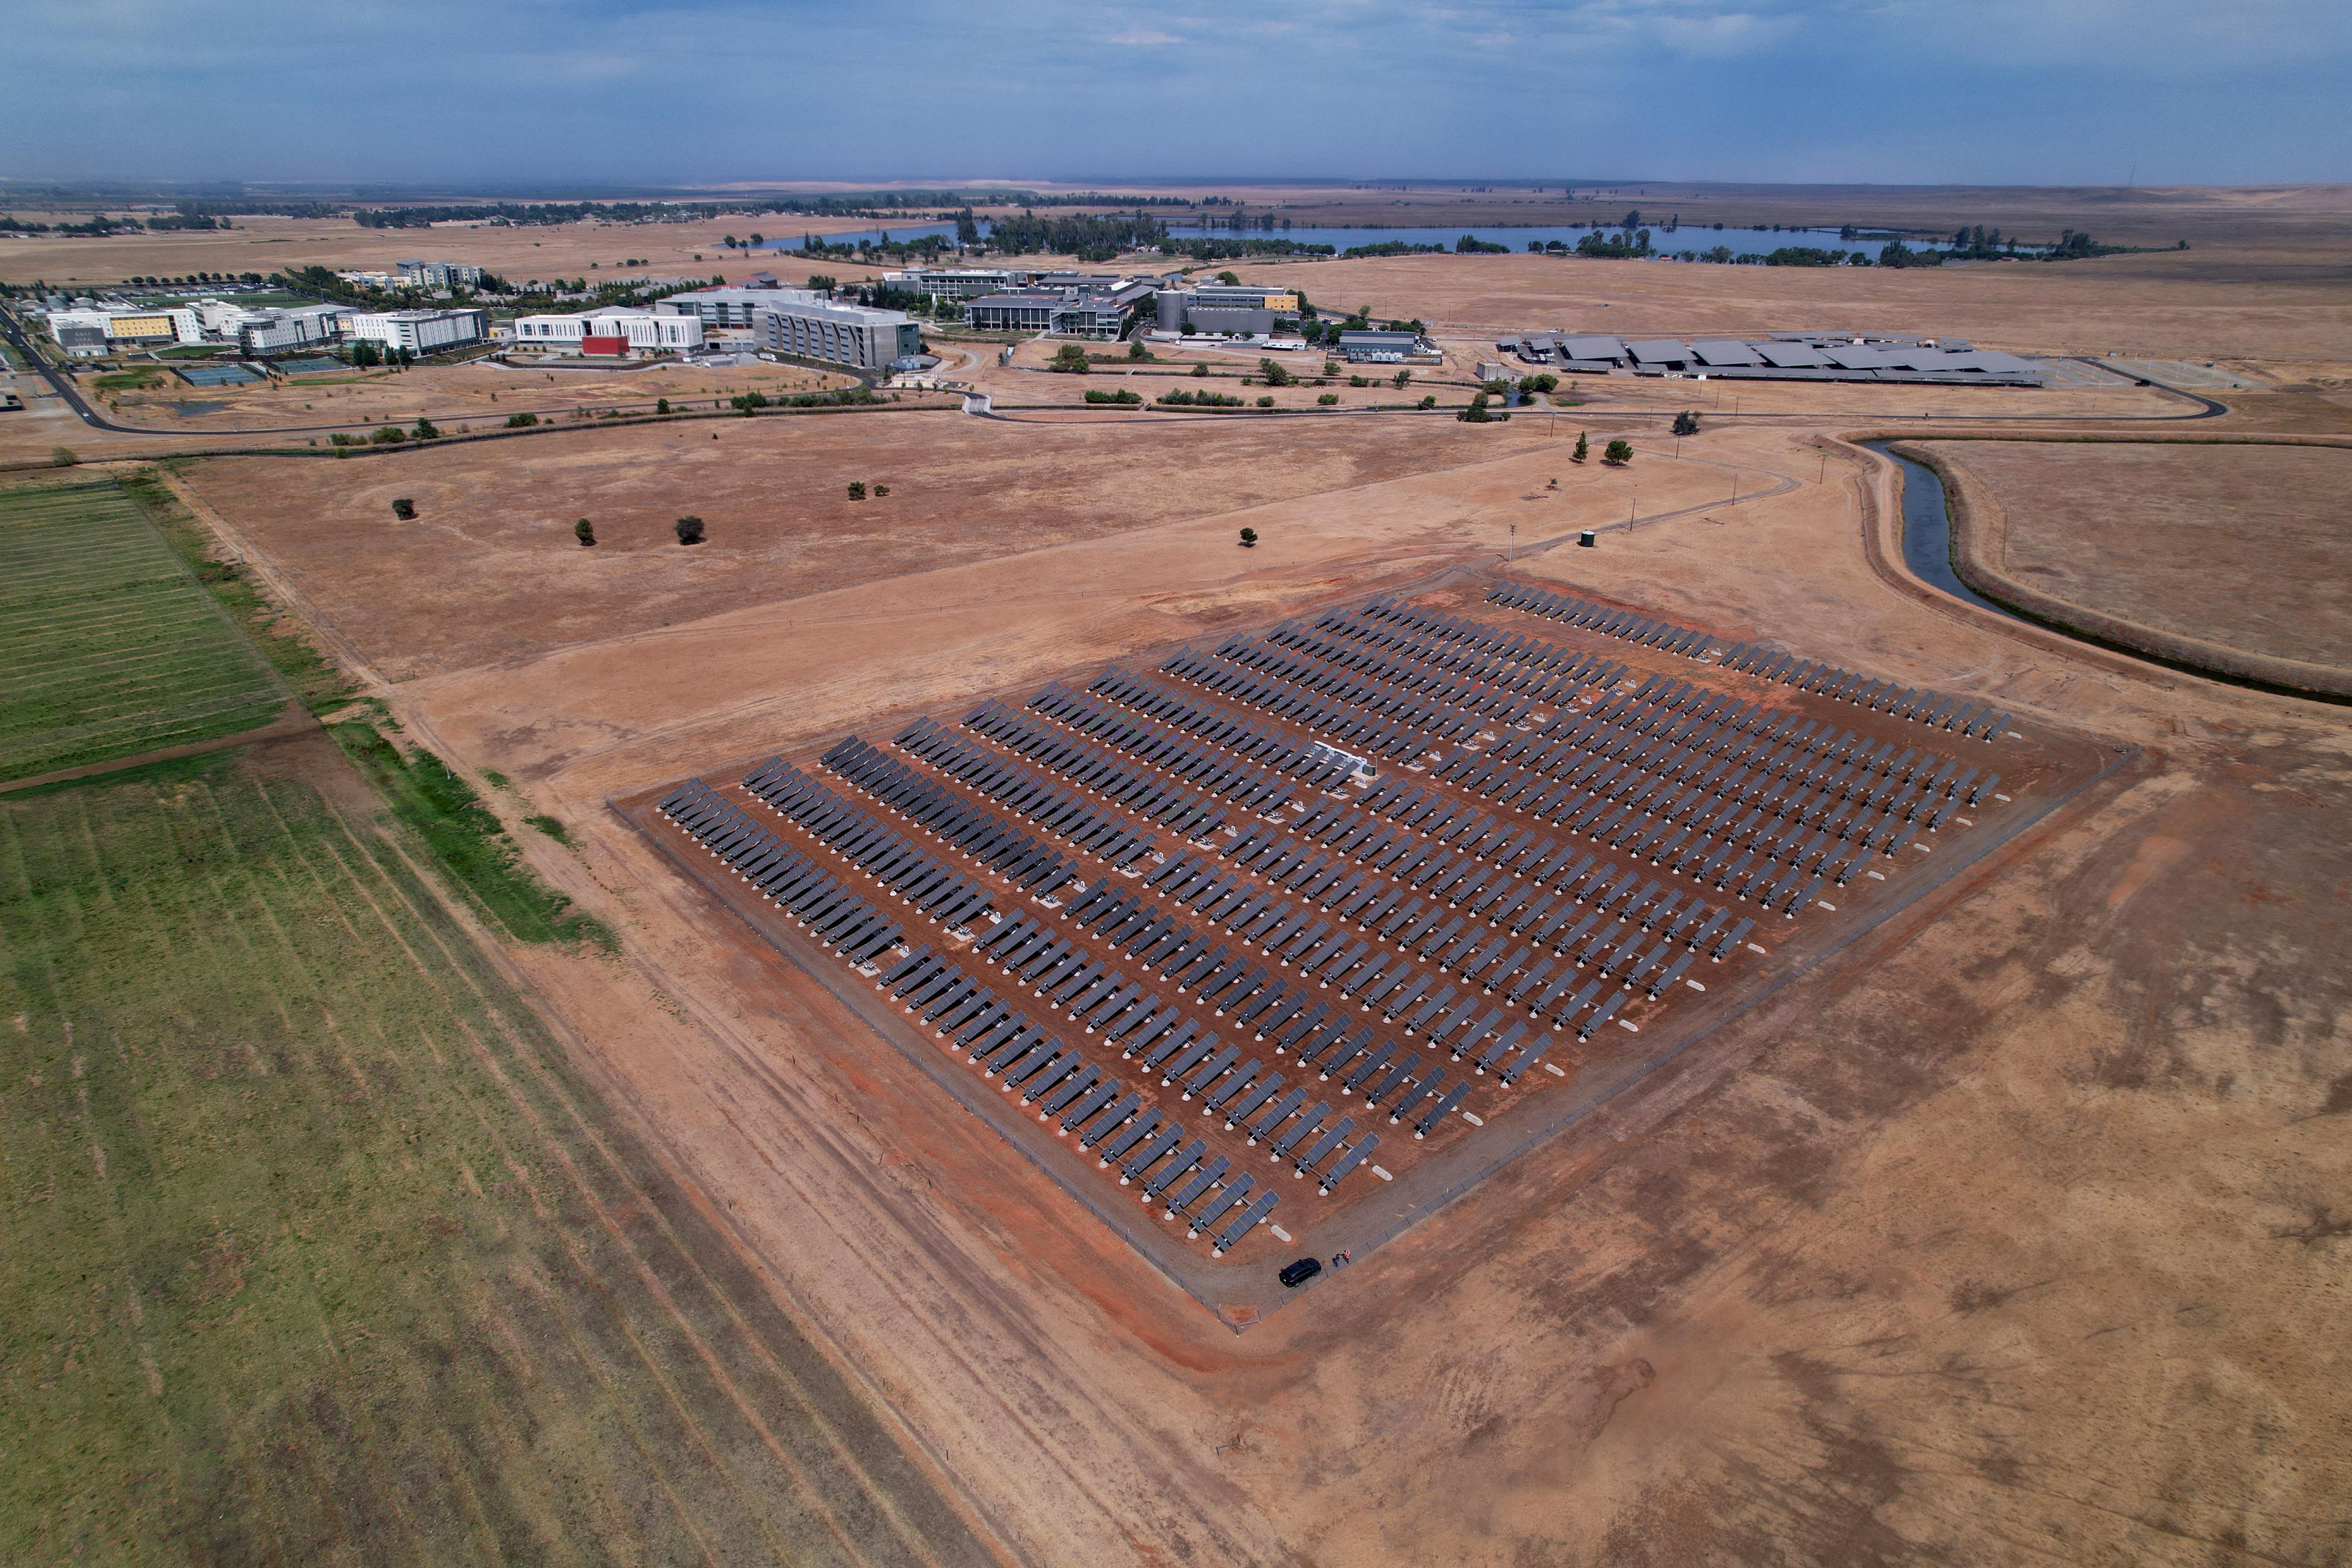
<point>495,521</point>
<point>2019,1234</point>
<point>2243,546</point>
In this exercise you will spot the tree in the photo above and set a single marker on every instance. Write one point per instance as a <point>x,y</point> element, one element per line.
<point>584,531</point>
<point>404,509</point>
<point>1430,401</point>
<point>1134,349</point>
<point>1249,539</point>
<point>428,431</point>
<point>689,530</point>
<point>1327,399</point>
<point>1618,454</point>
<point>1200,369</point>
<point>1276,375</point>
<point>1229,279</point>
<point>1071,360</point>
<point>390,435</point>
<point>1584,448</point>
<point>1401,380</point>
<point>1686,423</point>
<point>521,421</point>
<point>857,489</point>
<point>1477,413</point>
<point>661,405</point>
<point>1266,403</point>
<point>1545,381</point>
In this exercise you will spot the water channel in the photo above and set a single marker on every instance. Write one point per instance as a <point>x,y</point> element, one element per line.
<point>1927,531</point>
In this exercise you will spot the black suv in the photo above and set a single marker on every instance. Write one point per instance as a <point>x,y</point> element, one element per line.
<point>1298,1273</point>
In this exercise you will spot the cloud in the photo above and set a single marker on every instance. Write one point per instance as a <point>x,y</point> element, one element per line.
<point>1143,38</point>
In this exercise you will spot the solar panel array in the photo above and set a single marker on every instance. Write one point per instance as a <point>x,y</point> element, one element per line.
<point>1982,721</point>
<point>1154,912</point>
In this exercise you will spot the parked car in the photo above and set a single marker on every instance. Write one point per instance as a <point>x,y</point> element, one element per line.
<point>1298,1273</point>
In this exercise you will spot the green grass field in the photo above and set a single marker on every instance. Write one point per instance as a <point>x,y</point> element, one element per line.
<point>107,647</point>
<point>313,1249</point>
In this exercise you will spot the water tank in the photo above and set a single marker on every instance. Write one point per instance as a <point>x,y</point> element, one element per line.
<point>1587,539</point>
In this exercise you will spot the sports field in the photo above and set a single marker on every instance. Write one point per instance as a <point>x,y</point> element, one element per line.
<point>107,647</point>
<point>313,1250</point>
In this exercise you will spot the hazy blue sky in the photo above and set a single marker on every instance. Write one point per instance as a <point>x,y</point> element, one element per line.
<point>520,91</point>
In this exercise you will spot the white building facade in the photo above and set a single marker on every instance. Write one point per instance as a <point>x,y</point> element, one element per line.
<point>420,331</point>
<point>628,333</point>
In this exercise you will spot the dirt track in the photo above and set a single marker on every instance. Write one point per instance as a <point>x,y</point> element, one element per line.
<point>2019,1234</point>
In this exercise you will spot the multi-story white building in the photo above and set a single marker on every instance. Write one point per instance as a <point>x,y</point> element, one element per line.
<point>737,307</point>
<point>437,274</point>
<point>130,323</point>
<point>621,334</point>
<point>855,335</point>
<point>956,282</point>
<point>420,331</point>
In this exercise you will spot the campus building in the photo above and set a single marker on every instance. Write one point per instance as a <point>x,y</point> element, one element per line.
<point>126,325</point>
<point>437,274</point>
<point>853,335</point>
<point>956,282</point>
<point>1389,348</point>
<point>621,335</point>
<point>1075,306</point>
<point>1781,356</point>
<point>736,307</point>
<point>420,331</point>
<point>1238,309</point>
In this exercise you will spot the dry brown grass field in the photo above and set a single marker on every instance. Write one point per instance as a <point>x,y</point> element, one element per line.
<point>2017,1232</point>
<point>2240,544</point>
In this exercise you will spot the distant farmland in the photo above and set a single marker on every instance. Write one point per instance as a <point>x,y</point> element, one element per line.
<point>108,647</point>
<point>313,1248</point>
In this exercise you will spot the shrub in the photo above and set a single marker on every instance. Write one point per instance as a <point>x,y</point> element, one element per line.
<point>390,435</point>
<point>1266,403</point>
<point>1686,423</point>
<point>1276,375</point>
<point>1071,360</point>
<point>857,489</point>
<point>514,422</point>
<point>748,401</point>
<point>881,490</point>
<point>1359,381</point>
<point>1327,399</point>
<point>1134,349</point>
<point>584,531</point>
<point>428,431</point>
<point>1249,539</point>
<point>62,458</point>
<point>1200,369</point>
<point>1618,454</point>
<point>404,509</point>
<point>689,530</point>
<point>661,405</point>
<point>1122,396</point>
<point>1430,401</point>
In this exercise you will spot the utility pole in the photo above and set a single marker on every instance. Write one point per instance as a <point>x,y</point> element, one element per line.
<point>1822,477</point>
<point>1512,554</point>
